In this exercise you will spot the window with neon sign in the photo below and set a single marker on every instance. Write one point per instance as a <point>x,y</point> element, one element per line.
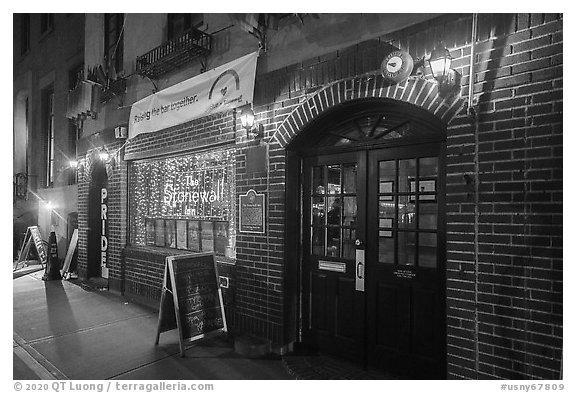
<point>184,202</point>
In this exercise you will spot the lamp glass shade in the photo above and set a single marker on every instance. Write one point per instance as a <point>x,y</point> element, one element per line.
<point>104,156</point>
<point>73,164</point>
<point>440,63</point>
<point>247,118</point>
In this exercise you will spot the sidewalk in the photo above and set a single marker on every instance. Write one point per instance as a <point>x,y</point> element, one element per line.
<point>67,331</point>
<point>64,330</point>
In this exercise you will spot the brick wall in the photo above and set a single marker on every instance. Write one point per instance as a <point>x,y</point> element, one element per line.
<point>505,238</point>
<point>504,181</point>
<point>504,187</point>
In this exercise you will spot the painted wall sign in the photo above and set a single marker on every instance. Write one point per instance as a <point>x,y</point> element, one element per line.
<point>223,88</point>
<point>191,299</point>
<point>252,212</point>
<point>104,234</point>
<point>397,66</point>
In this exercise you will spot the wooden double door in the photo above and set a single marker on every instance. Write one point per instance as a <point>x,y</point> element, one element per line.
<point>374,258</point>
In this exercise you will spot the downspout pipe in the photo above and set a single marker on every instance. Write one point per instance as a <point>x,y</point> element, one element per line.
<point>472,112</point>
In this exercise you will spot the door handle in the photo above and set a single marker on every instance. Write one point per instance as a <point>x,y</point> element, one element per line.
<point>359,270</point>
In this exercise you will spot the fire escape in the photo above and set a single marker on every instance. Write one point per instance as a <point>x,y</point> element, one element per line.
<point>173,54</point>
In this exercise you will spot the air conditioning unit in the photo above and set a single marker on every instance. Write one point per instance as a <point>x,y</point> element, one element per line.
<point>121,132</point>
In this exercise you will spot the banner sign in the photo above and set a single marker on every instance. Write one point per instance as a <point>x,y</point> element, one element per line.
<point>226,87</point>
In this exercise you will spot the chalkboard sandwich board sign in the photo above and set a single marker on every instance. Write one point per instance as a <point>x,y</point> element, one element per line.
<point>191,299</point>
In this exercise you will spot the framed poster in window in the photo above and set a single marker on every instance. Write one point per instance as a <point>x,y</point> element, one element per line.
<point>171,233</point>
<point>160,232</point>
<point>194,235</point>
<point>207,234</point>
<point>427,189</point>
<point>220,237</point>
<point>150,232</point>
<point>181,238</point>
<point>386,227</point>
<point>386,187</point>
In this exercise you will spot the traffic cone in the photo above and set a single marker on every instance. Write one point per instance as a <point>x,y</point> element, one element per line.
<point>53,266</point>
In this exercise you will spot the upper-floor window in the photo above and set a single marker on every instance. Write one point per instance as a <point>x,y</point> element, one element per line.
<point>46,23</point>
<point>114,41</point>
<point>75,76</point>
<point>48,125</point>
<point>178,24</point>
<point>24,33</point>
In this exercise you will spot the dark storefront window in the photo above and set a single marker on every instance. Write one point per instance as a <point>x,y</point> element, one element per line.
<point>184,203</point>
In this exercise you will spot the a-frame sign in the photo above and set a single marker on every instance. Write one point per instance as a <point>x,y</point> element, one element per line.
<point>191,299</point>
<point>33,238</point>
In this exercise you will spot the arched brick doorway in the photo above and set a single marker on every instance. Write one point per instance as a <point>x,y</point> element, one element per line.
<point>367,176</point>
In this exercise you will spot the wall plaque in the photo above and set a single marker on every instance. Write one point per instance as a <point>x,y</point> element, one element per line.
<point>252,213</point>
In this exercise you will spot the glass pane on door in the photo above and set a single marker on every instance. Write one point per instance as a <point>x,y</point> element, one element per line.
<point>428,215</point>
<point>387,177</point>
<point>349,179</point>
<point>406,248</point>
<point>406,175</point>
<point>385,247</point>
<point>334,186</point>
<point>406,212</point>
<point>318,180</point>
<point>427,250</point>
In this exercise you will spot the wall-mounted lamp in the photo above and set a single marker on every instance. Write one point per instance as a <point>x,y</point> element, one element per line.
<point>104,156</point>
<point>247,119</point>
<point>440,62</point>
<point>441,66</point>
<point>73,164</point>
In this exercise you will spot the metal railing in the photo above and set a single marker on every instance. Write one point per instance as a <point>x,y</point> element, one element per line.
<point>173,54</point>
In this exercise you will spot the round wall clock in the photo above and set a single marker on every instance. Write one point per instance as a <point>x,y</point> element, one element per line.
<point>397,66</point>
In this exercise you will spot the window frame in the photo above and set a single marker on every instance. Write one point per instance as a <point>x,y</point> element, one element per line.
<point>114,41</point>
<point>145,222</point>
<point>24,34</point>
<point>190,21</point>
<point>46,24</point>
<point>49,133</point>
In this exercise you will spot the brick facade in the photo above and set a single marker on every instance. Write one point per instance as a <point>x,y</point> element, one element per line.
<point>503,184</point>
